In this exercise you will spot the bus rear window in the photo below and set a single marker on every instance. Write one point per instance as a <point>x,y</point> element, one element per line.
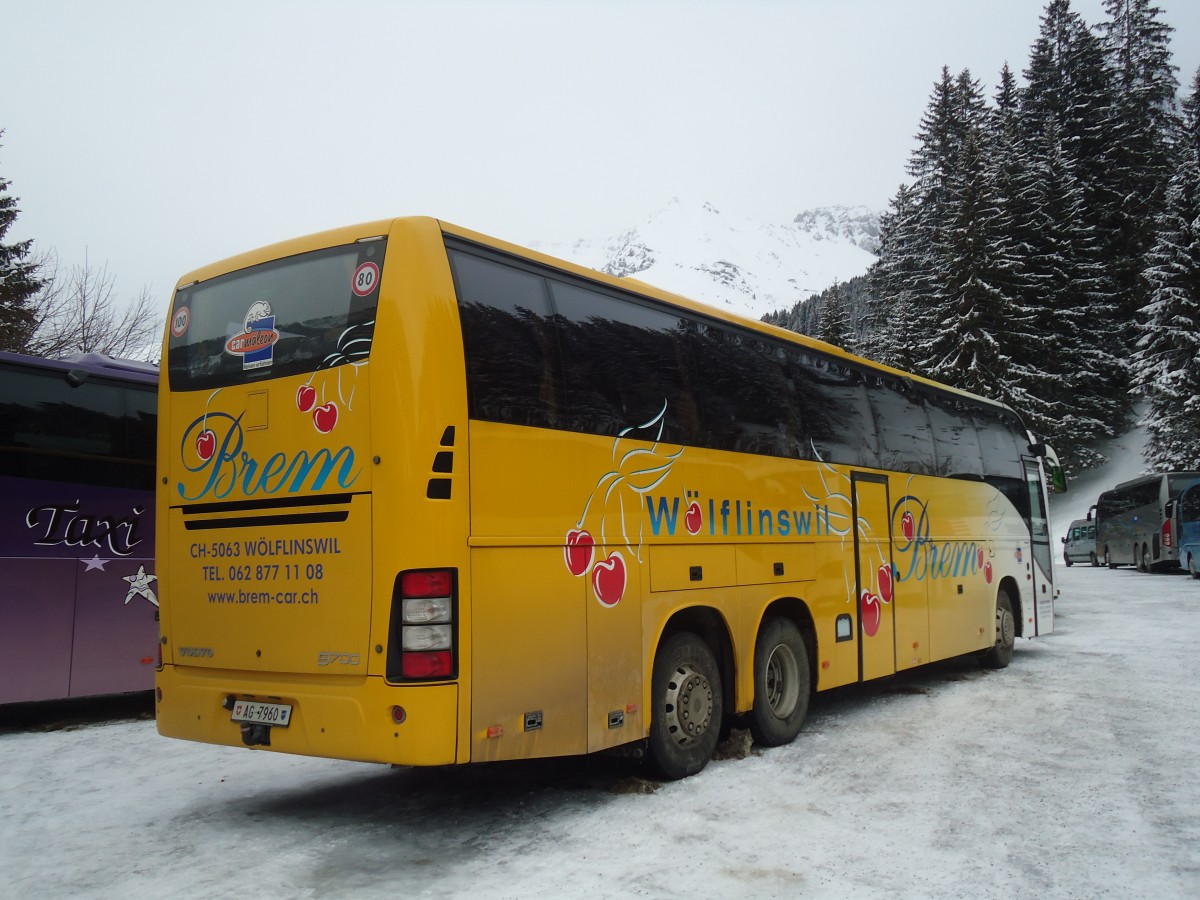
<point>306,312</point>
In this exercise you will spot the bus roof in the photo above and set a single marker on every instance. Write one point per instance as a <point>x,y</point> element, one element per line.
<point>89,364</point>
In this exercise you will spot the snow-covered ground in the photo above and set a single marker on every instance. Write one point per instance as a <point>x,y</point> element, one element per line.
<point>1073,773</point>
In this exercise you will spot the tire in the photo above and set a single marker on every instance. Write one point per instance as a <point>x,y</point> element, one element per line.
<point>1145,566</point>
<point>782,683</point>
<point>685,721</point>
<point>1067,560</point>
<point>1108,560</point>
<point>1001,653</point>
<point>1193,570</point>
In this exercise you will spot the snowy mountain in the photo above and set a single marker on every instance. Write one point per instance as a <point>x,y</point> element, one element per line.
<point>735,263</point>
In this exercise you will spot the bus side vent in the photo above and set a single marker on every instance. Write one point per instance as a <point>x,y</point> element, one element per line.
<point>438,489</point>
<point>448,436</point>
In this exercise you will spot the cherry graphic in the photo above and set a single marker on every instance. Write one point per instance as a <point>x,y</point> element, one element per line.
<point>885,583</point>
<point>693,518</point>
<point>306,397</point>
<point>871,612</point>
<point>908,526</point>
<point>608,579</point>
<point>325,417</point>
<point>987,571</point>
<point>579,551</point>
<point>206,444</point>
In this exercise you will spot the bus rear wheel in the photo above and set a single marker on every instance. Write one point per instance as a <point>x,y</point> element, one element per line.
<point>685,721</point>
<point>1001,653</point>
<point>1192,568</point>
<point>782,683</point>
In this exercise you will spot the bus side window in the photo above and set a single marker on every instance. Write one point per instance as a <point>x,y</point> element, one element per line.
<point>514,368</point>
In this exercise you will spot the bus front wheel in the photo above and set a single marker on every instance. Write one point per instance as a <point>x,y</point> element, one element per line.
<point>782,683</point>
<point>1001,653</point>
<point>685,722</point>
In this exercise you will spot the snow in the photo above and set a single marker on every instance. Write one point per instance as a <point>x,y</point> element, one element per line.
<point>1072,773</point>
<point>738,264</point>
<point>1069,774</point>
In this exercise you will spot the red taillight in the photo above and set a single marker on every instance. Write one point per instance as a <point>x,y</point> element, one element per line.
<point>1166,533</point>
<point>437,583</point>
<point>424,631</point>
<point>431,664</point>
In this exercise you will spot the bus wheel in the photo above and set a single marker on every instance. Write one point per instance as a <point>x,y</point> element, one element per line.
<point>1108,560</point>
<point>1001,653</point>
<point>686,718</point>
<point>1195,572</point>
<point>782,683</point>
<point>1145,566</point>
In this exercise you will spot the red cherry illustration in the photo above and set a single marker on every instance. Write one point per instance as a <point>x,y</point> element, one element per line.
<point>871,613</point>
<point>885,583</point>
<point>306,397</point>
<point>206,444</point>
<point>608,579</point>
<point>907,526</point>
<point>987,572</point>
<point>693,518</point>
<point>578,551</point>
<point>325,417</point>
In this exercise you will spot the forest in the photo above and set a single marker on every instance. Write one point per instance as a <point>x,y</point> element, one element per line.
<point>1045,250</point>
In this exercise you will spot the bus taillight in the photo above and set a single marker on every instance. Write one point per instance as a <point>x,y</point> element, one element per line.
<point>423,625</point>
<point>1166,533</point>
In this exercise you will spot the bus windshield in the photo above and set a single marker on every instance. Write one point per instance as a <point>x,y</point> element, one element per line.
<point>306,312</point>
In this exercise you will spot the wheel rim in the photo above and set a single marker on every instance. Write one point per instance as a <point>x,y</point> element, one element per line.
<point>689,705</point>
<point>782,681</point>
<point>1006,632</point>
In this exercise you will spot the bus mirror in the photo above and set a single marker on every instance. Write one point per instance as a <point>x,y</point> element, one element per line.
<point>1058,478</point>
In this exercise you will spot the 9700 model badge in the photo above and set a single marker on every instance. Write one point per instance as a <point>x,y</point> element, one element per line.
<point>337,658</point>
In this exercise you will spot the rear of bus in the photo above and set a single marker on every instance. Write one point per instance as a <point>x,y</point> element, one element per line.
<point>294,455</point>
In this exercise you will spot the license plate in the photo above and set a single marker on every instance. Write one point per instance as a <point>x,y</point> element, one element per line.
<point>278,714</point>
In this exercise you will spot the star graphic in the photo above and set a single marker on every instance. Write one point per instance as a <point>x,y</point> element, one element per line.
<point>139,585</point>
<point>95,563</point>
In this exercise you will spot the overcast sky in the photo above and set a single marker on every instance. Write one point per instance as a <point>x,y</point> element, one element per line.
<point>156,137</point>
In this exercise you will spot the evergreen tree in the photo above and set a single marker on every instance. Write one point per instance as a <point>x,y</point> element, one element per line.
<point>1139,157</point>
<point>1167,362</point>
<point>19,280</point>
<point>834,326</point>
<point>1069,109</point>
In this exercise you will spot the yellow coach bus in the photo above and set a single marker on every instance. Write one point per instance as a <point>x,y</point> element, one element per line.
<point>429,498</point>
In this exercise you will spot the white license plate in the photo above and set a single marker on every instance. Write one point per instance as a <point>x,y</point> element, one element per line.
<point>278,714</point>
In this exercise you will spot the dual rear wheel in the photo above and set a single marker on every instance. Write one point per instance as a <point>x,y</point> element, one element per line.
<point>689,697</point>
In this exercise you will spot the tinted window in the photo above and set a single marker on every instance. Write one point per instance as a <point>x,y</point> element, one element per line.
<point>955,439</point>
<point>101,432</point>
<point>904,434</point>
<point>548,350</point>
<point>625,362</point>
<point>307,312</point>
<point>513,362</point>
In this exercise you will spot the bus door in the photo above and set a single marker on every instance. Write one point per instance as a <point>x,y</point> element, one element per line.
<point>873,575</point>
<point>1038,578</point>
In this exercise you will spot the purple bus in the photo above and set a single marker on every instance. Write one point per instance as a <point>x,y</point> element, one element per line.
<point>78,598</point>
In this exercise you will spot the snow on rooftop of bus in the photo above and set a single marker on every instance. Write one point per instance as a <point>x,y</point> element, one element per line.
<point>736,263</point>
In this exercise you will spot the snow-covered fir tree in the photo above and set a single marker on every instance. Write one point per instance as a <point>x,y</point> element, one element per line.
<point>19,281</point>
<point>1167,362</point>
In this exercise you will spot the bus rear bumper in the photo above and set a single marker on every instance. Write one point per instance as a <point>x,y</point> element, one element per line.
<point>345,720</point>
